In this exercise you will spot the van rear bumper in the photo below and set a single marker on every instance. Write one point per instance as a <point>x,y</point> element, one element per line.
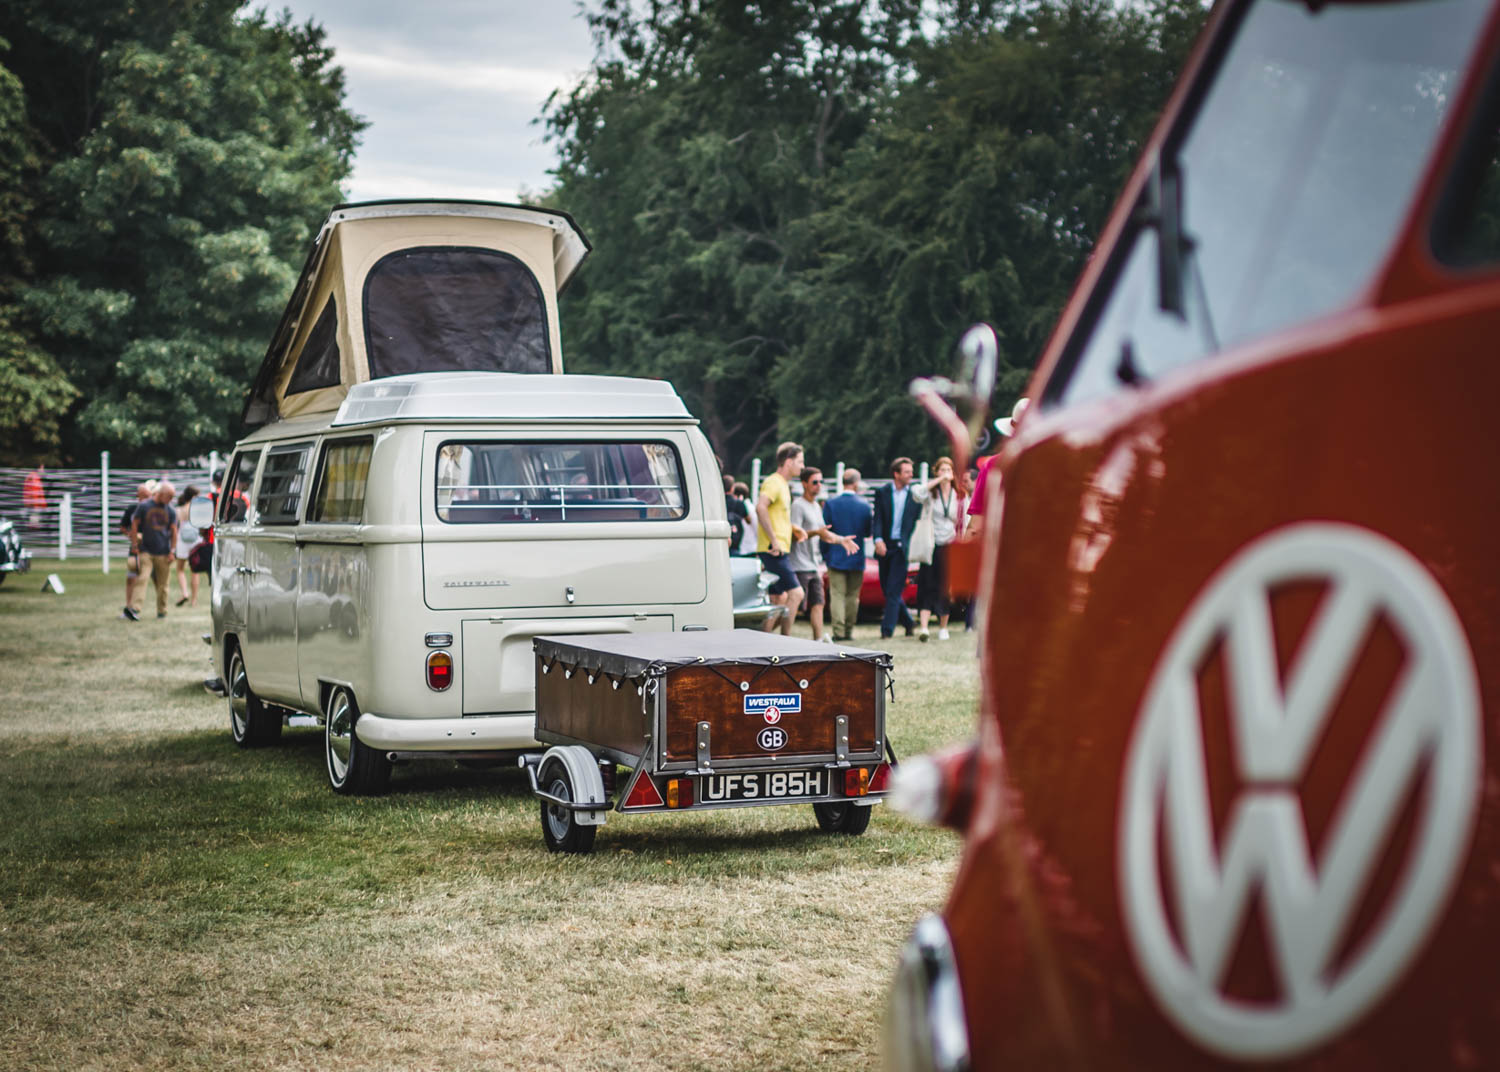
<point>477,733</point>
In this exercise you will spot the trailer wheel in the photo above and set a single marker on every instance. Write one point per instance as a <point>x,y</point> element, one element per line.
<point>251,724</point>
<point>354,768</point>
<point>842,818</point>
<point>560,827</point>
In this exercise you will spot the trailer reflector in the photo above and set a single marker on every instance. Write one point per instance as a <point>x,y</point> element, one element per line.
<point>880,781</point>
<point>856,781</point>
<point>643,794</point>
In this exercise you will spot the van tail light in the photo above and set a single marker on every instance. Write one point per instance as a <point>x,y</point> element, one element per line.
<point>856,781</point>
<point>937,788</point>
<point>439,671</point>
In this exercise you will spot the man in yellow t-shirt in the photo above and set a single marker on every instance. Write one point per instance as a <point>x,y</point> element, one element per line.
<point>774,511</point>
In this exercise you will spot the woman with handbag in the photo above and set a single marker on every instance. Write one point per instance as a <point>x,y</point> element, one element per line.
<point>940,524</point>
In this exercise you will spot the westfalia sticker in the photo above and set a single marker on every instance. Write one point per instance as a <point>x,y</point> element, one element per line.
<point>786,703</point>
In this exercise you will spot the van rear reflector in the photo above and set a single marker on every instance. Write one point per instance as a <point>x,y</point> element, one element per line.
<point>643,794</point>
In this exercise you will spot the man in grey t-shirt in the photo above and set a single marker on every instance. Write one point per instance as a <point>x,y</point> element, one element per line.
<point>808,528</point>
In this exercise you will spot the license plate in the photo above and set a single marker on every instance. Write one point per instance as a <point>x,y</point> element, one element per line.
<point>764,785</point>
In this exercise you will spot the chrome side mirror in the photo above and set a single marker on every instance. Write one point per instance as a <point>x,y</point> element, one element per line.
<point>962,405</point>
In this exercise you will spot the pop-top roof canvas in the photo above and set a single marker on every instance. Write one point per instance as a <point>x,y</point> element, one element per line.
<point>392,288</point>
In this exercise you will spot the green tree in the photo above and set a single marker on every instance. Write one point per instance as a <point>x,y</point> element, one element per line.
<point>977,196</point>
<point>698,139</point>
<point>188,155</point>
<point>34,393</point>
<point>797,207</point>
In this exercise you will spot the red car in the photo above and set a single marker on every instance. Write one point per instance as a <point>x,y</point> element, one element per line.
<point>1230,801</point>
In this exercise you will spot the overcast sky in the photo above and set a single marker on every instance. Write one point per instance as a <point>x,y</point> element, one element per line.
<point>450,89</point>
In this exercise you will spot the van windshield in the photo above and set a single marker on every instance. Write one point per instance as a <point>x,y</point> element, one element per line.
<point>486,483</point>
<point>1296,172</point>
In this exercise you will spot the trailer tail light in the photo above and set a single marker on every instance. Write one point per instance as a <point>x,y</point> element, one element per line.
<point>938,788</point>
<point>856,781</point>
<point>880,781</point>
<point>679,792</point>
<point>643,794</point>
<point>439,671</point>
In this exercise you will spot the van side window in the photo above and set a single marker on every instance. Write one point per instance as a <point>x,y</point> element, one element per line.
<point>1466,226</point>
<point>234,495</point>
<point>486,483</point>
<point>282,483</point>
<point>340,498</point>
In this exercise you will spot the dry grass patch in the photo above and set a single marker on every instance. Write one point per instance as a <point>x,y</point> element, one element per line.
<point>167,901</point>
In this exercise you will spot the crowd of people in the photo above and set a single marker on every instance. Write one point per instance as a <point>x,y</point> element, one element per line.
<point>801,539</point>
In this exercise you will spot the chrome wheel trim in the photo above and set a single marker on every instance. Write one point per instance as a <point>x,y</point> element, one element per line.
<point>559,820</point>
<point>338,735</point>
<point>239,697</point>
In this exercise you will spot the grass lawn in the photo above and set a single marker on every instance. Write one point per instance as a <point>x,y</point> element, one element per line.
<point>170,902</point>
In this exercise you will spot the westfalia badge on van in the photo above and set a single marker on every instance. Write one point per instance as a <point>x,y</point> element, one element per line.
<point>784,703</point>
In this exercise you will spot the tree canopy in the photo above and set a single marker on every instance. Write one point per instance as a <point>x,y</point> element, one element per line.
<point>184,155</point>
<point>798,206</point>
<point>795,205</point>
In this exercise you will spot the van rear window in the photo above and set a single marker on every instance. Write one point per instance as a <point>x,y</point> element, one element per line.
<point>487,483</point>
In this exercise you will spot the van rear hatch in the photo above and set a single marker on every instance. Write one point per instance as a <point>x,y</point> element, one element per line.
<point>586,520</point>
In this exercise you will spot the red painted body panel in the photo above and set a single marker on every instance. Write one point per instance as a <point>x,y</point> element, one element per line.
<point>1116,516</point>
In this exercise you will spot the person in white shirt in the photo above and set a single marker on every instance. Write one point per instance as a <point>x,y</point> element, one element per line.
<point>808,530</point>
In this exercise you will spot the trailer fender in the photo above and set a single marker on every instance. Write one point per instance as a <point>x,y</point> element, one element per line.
<point>584,776</point>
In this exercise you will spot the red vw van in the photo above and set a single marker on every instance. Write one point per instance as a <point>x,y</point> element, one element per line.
<point>1230,801</point>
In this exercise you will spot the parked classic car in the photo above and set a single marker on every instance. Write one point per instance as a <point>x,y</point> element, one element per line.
<point>13,557</point>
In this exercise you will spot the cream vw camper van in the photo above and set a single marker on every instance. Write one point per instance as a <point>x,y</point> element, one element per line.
<point>416,506</point>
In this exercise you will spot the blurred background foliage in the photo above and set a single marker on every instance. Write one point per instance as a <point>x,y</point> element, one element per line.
<point>795,206</point>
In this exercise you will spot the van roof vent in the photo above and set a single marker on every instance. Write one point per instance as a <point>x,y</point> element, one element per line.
<point>458,396</point>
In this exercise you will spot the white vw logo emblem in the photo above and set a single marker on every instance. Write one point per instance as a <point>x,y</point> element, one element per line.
<point>1186,909</point>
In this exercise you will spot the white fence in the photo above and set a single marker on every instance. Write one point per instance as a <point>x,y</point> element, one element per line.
<point>78,513</point>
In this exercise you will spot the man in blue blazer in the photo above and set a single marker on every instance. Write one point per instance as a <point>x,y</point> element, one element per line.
<point>848,515</point>
<point>897,507</point>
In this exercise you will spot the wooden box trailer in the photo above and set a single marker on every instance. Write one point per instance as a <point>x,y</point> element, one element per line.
<point>706,719</point>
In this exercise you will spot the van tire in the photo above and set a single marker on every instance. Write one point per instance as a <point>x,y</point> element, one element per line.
<point>354,768</point>
<point>251,723</point>
<point>561,829</point>
<point>842,818</point>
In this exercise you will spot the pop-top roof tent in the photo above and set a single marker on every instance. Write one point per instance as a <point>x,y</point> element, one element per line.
<point>396,287</point>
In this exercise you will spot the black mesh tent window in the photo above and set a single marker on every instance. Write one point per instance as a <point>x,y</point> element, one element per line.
<point>318,366</point>
<point>454,309</point>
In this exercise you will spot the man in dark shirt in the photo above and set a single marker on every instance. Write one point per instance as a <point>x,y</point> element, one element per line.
<point>153,534</point>
<point>135,592</point>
